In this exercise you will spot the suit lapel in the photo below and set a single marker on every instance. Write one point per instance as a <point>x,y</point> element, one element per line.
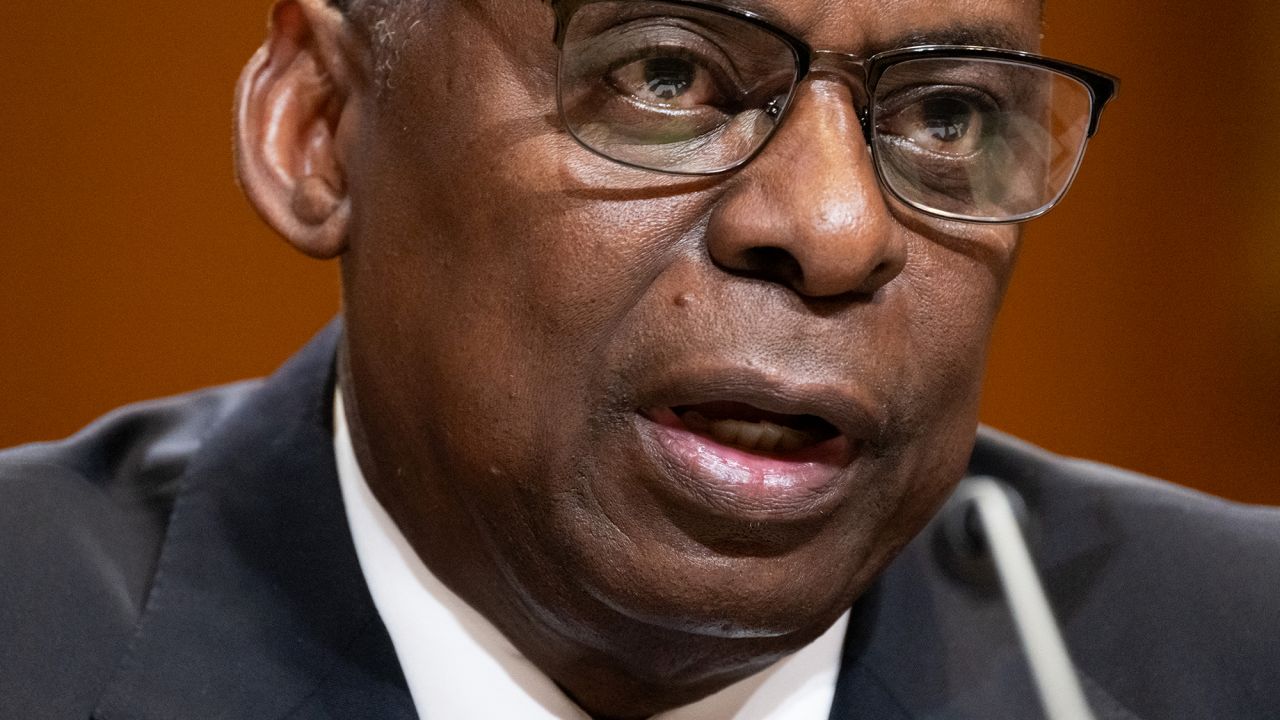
<point>259,607</point>
<point>920,649</point>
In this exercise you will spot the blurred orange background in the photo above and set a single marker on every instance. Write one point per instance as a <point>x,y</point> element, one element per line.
<point>1142,329</point>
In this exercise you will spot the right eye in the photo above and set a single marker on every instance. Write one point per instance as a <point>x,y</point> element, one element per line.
<point>671,88</point>
<point>669,80</point>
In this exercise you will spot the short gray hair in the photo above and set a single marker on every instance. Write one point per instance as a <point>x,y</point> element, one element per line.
<point>383,22</point>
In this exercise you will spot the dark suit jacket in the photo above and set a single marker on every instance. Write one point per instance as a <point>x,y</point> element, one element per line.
<point>189,558</point>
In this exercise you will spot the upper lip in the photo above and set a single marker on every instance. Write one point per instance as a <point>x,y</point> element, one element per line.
<point>839,404</point>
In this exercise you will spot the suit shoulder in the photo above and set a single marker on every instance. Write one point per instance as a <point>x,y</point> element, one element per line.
<point>149,438</point>
<point>1156,584</point>
<point>1142,506</point>
<point>82,521</point>
<point>114,478</point>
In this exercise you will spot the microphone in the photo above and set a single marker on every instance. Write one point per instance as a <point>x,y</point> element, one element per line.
<point>983,526</point>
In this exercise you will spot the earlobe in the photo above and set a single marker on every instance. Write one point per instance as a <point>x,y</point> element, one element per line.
<point>291,100</point>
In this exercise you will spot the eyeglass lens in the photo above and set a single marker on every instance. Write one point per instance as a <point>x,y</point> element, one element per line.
<point>978,139</point>
<point>682,89</point>
<point>671,88</point>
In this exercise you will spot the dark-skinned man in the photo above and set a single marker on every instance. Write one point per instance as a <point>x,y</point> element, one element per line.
<point>662,337</point>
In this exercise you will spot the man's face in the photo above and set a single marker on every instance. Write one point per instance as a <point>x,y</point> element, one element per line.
<point>567,373</point>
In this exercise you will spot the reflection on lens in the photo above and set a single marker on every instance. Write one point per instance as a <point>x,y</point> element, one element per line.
<point>671,88</point>
<point>978,139</point>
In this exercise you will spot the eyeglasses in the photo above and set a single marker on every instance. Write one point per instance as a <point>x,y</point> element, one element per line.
<point>967,133</point>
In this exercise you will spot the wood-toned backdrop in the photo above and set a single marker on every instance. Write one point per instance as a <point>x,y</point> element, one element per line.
<point>1142,329</point>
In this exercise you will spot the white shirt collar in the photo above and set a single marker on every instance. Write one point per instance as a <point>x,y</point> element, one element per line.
<point>458,665</point>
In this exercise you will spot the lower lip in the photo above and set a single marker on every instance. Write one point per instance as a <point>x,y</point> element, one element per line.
<point>743,484</point>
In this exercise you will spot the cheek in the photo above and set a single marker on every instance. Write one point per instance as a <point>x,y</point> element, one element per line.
<point>596,262</point>
<point>949,294</point>
<point>505,294</point>
<point>929,349</point>
<point>532,243</point>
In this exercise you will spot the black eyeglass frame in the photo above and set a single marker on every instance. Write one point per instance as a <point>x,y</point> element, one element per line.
<point>1102,87</point>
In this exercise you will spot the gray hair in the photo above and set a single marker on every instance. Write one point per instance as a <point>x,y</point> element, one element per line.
<point>385,23</point>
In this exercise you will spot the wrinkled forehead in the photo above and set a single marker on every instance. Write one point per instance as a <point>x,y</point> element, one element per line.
<point>855,26</point>
<point>868,26</point>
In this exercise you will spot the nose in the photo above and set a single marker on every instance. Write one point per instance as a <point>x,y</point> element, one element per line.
<point>808,211</point>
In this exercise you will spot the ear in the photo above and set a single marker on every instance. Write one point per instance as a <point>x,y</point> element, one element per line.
<point>292,118</point>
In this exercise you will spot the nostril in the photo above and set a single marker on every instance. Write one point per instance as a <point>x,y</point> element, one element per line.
<point>881,274</point>
<point>774,264</point>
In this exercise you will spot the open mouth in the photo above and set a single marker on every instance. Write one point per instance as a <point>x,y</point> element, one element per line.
<point>754,448</point>
<point>740,461</point>
<point>745,431</point>
<point>753,430</point>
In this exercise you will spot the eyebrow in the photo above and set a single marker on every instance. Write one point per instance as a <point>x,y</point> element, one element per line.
<point>981,35</point>
<point>760,8</point>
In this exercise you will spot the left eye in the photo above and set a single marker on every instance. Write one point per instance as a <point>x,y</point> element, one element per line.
<point>666,81</point>
<point>943,124</point>
<point>946,120</point>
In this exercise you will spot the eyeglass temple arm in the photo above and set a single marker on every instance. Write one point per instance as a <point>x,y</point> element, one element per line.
<point>1104,89</point>
<point>563,10</point>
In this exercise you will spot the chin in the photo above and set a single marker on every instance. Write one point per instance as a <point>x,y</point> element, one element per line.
<point>769,570</point>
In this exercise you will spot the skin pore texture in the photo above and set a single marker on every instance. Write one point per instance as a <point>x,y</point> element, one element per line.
<point>526,321</point>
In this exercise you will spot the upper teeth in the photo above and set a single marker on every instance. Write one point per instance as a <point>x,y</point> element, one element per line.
<point>760,435</point>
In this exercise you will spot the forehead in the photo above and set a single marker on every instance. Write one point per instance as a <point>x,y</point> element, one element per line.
<point>869,26</point>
